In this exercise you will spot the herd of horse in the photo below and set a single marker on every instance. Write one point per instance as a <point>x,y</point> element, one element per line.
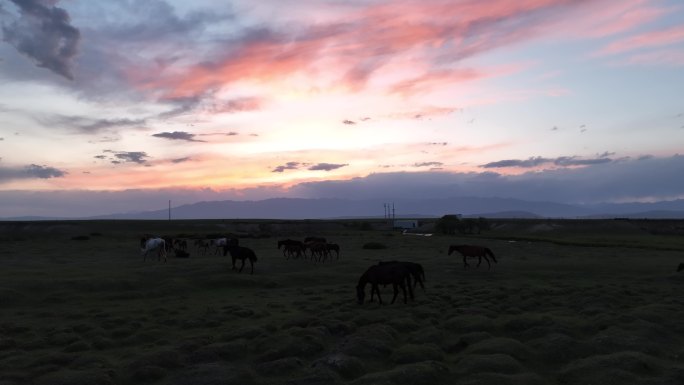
<point>402,275</point>
<point>319,249</point>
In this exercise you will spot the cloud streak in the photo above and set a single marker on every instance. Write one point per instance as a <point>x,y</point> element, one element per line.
<point>178,135</point>
<point>562,161</point>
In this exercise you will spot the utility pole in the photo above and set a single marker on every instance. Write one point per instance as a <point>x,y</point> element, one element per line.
<point>394,215</point>
<point>169,209</point>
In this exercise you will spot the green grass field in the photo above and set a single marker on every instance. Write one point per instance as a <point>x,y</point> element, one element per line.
<point>570,302</point>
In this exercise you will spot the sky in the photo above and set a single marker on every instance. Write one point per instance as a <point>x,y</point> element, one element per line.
<point>122,105</point>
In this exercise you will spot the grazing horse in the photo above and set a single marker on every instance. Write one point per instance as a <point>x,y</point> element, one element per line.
<point>396,274</point>
<point>238,252</point>
<point>472,251</point>
<point>416,270</point>
<point>291,248</point>
<point>153,244</point>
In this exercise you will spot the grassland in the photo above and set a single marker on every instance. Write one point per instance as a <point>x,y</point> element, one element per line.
<point>569,302</point>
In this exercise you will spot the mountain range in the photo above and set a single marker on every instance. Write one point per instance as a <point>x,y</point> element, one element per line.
<point>333,208</point>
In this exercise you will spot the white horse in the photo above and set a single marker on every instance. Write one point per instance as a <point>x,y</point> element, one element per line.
<point>153,244</point>
<point>220,243</point>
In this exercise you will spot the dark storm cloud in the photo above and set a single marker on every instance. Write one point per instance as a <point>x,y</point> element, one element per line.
<point>326,166</point>
<point>32,171</point>
<point>563,161</point>
<point>287,166</point>
<point>178,135</point>
<point>44,34</point>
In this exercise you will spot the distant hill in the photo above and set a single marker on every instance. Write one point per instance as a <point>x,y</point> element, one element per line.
<point>507,214</point>
<point>296,208</point>
<point>331,208</point>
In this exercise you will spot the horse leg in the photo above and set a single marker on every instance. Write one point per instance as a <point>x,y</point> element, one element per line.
<point>234,268</point>
<point>489,265</point>
<point>396,292</point>
<point>410,289</point>
<point>377,290</point>
<point>465,264</point>
<point>242,266</point>
<point>479,261</point>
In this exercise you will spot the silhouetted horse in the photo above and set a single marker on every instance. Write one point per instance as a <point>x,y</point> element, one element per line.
<point>396,274</point>
<point>291,248</point>
<point>680,267</point>
<point>330,247</point>
<point>472,251</point>
<point>181,244</point>
<point>319,251</point>
<point>238,252</point>
<point>416,270</point>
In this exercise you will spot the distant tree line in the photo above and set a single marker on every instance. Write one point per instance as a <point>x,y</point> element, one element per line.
<point>452,224</point>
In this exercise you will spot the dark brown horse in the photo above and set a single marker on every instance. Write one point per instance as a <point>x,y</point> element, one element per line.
<point>333,247</point>
<point>472,251</point>
<point>416,270</point>
<point>680,267</point>
<point>291,248</point>
<point>396,274</point>
<point>238,252</point>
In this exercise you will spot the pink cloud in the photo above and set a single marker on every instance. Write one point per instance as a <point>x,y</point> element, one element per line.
<point>425,40</point>
<point>645,40</point>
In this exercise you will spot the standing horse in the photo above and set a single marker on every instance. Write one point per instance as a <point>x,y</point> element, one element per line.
<point>202,245</point>
<point>239,252</point>
<point>220,244</point>
<point>330,247</point>
<point>291,248</point>
<point>153,244</point>
<point>472,251</point>
<point>396,274</point>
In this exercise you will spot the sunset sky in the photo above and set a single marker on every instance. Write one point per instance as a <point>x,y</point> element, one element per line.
<point>120,105</point>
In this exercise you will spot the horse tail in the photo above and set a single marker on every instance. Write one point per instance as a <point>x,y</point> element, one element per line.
<point>489,252</point>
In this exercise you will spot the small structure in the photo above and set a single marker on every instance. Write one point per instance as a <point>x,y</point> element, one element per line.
<point>405,224</point>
